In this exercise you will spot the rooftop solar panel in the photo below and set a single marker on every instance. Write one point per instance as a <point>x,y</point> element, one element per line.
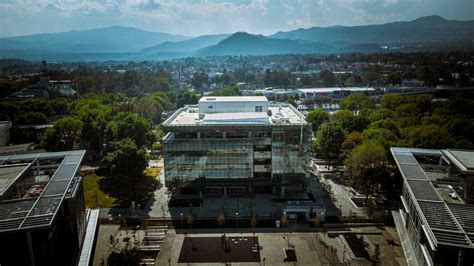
<point>52,155</point>
<point>424,190</point>
<point>450,224</point>
<point>73,158</point>
<point>56,187</point>
<point>405,158</point>
<point>40,211</point>
<point>21,157</point>
<point>413,171</point>
<point>65,172</point>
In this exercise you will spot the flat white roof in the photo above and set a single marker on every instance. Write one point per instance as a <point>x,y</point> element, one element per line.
<point>279,114</point>
<point>336,89</point>
<point>233,99</point>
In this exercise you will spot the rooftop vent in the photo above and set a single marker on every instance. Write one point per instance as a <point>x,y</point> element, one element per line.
<point>210,99</point>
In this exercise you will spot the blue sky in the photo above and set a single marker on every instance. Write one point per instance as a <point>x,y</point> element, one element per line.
<point>196,17</point>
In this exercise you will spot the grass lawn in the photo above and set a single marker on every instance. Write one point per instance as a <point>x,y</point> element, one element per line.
<point>152,172</point>
<point>95,197</point>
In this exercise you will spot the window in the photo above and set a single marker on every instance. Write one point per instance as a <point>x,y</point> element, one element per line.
<point>258,108</point>
<point>210,106</point>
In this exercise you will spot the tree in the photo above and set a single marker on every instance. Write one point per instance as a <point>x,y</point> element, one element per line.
<point>253,224</point>
<point>327,78</point>
<point>381,114</point>
<point>128,125</point>
<point>350,122</point>
<point>148,107</point>
<point>190,220</point>
<point>64,135</point>
<point>199,79</point>
<point>352,140</point>
<point>370,78</point>
<point>30,118</point>
<point>126,162</point>
<point>125,257</point>
<point>357,101</point>
<point>329,140</point>
<point>317,118</point>
<point>221,220</point>
<point>366,167</point>
<point>227,91</point>
<point>375,258</point>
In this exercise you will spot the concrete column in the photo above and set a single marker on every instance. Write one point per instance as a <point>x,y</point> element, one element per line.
<point>460,257</point>
<point>224,135</point>
<point>199,135</point>
<point>29,242</point>
<point>282,192</point>
<point>469,189</point>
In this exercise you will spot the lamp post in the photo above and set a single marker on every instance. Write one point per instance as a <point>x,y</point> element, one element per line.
<point>181,214</point>
<point>287,231</point>
<point>237,217</point>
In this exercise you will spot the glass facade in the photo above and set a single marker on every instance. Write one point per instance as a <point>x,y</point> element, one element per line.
<point>266,154</point>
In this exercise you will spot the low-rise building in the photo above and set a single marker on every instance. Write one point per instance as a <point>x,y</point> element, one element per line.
<point>42,213</point>
<point>437,204</point>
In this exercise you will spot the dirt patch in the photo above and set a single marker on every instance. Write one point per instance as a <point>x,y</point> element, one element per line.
<point>213,249</point>
<point>358,245</point>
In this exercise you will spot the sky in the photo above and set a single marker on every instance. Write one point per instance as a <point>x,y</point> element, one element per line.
<point>197,17</point>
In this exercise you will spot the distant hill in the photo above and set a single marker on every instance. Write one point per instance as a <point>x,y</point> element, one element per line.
<point>426,34</point>
<point>422,30</point>
<point>186,45</point>
<point>112,39</point>
<point>242,43</point>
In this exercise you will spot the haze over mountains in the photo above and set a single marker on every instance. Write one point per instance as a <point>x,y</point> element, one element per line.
<point>123,43</point>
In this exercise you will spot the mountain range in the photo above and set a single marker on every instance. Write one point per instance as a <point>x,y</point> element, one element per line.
<point>114,39</point>
<point>432,33</point>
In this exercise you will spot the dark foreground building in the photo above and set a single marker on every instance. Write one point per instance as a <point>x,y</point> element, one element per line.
<point>42,213</point>
<point>437,205</point>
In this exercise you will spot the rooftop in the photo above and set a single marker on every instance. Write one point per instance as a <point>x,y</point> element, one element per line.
<point>41,182</point>
<point>278,114</point>
<point>233,99</point>
<point>463,159</point>
<point>445,220</point>
<point>8,175</point>
<point>331,89</point>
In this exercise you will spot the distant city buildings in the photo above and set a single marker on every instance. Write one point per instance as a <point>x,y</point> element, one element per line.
<point>233,146</point>
<point>47,88</point>
<point>437,210</point>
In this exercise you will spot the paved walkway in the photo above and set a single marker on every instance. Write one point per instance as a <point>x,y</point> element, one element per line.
<point>308,246</point>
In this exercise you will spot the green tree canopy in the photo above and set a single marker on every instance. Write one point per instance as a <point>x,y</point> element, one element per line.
<point>64,135</point>
<point>31,118</point>
<point>357,101</point>
<point>126,162</point>
<point>366,167</point>
<point>381,114</point>
<point>329,139</point>
<point>128,125</point>
<point>317,117</point>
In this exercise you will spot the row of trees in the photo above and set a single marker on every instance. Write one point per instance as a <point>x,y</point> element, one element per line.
<point>362,132</point>
<point>115,131</point>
